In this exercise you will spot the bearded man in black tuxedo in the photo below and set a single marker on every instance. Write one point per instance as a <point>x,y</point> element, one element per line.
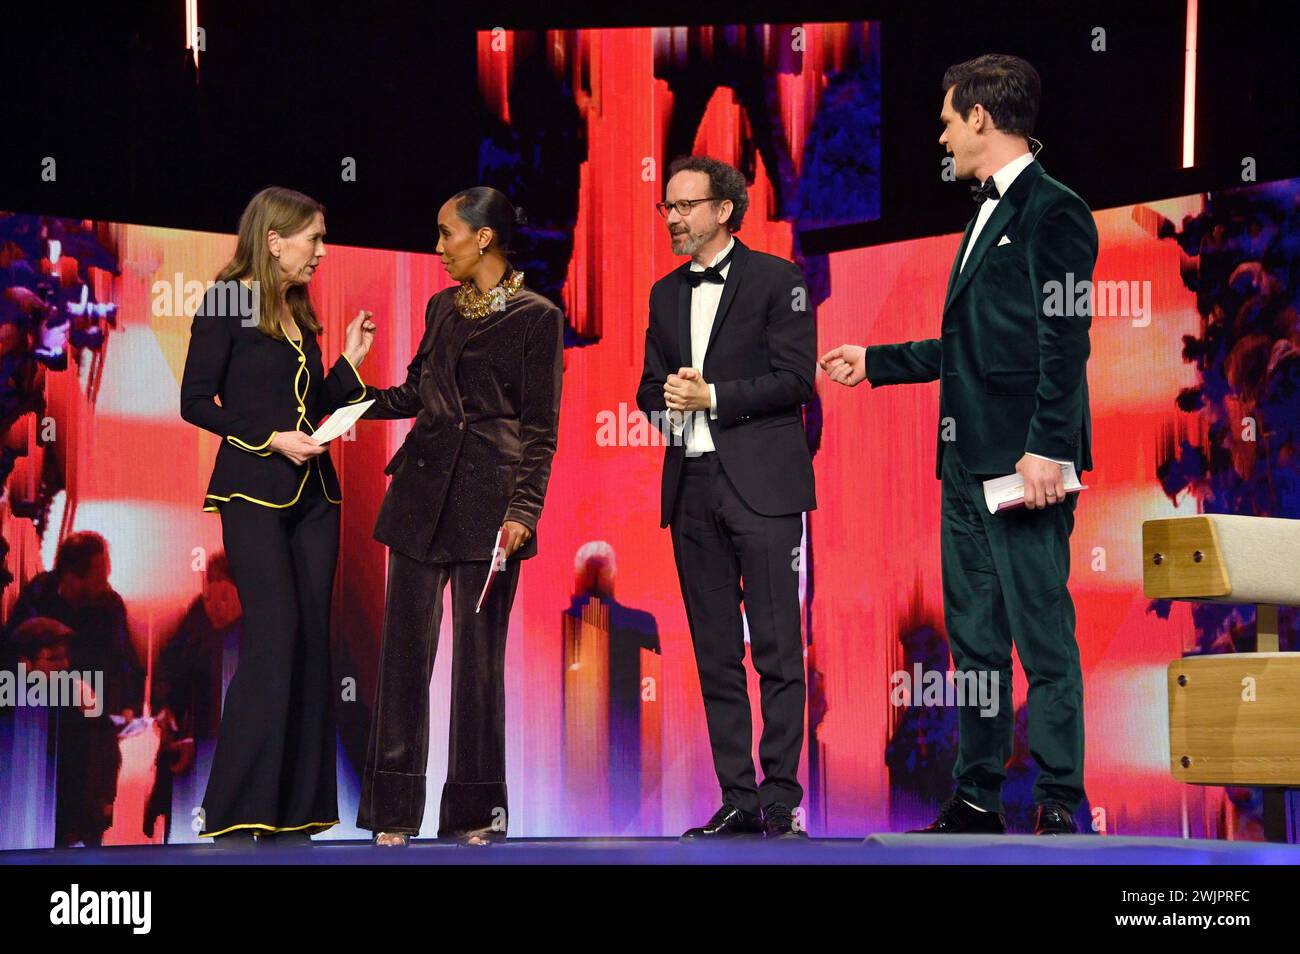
<point>730,357</point>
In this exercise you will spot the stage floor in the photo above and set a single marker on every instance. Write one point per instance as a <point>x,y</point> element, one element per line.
<point>882,849</point>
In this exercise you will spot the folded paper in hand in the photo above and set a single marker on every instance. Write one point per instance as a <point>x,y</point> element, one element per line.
<point>341,422</point>
<point>498,564</point>
<point>1004,493</point>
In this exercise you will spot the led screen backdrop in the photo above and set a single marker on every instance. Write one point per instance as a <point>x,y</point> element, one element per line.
<point>605,726</point>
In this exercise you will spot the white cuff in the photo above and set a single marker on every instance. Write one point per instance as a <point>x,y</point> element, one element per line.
<point>1052,459</point>
<point>713,403</point>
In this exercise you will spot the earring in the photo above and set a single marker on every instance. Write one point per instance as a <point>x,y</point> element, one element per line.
<point>480,251</point>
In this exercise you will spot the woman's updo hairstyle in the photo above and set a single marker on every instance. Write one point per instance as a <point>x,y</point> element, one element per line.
<point>485,207</point>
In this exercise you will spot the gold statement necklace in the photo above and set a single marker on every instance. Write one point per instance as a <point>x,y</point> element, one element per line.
<point>474,304</point>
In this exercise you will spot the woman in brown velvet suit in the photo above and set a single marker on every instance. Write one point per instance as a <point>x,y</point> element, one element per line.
<point>484,389</point>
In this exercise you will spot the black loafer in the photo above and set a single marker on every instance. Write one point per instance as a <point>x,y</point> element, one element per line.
<point>727,822</point>
<point>1055,819</point>
<point>958,818</point>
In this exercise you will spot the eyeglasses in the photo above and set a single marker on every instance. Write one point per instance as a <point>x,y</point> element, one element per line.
<point>683,206</point>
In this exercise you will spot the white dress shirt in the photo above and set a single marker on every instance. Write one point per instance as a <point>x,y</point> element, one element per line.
<point>705,298</point>
<point>1002,179</point>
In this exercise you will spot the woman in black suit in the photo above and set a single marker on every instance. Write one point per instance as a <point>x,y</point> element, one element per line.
<point>484,389</point>
<point>253,345</point>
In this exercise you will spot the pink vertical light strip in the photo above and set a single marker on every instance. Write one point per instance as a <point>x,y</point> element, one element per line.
<point>1189,89</point>
<point>148,666</point>
<point>494,72</point>
<point>191,29</point>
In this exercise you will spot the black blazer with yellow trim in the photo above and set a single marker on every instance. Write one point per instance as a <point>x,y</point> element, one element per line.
<point>266,385</point>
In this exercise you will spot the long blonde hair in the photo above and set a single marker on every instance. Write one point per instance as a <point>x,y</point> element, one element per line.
<point>288,212</point>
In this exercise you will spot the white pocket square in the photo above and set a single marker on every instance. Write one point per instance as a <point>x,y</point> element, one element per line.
<point>1004,241</point>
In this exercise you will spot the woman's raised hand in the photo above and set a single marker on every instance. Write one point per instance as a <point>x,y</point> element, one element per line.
<point>360,336</point>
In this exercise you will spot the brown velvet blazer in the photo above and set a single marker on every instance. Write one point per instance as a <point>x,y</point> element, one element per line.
<point>485,395</point>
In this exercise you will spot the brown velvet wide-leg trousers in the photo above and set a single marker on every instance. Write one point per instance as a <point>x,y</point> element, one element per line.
<point>393,787</point>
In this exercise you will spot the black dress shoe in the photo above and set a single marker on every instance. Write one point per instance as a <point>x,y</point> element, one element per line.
<point>1055,819</point>
<point>958,818</point>
<point>778,822</point>
<point>241,839</point>
<point>727,822</point>
<point>284,839</point>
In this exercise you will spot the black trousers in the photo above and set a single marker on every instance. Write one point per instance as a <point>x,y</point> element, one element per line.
<point>392,790</point>
<point>720,546</point>
<point>1004,582</point>
<point>274,765</point>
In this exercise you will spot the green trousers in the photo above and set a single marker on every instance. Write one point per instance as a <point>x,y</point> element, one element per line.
<point>1004,581</point>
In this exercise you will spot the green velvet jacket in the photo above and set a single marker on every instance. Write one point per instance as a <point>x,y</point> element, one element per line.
<point>1013,348</point>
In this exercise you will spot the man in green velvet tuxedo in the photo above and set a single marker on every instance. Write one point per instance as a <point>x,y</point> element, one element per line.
<point>1013,397</point>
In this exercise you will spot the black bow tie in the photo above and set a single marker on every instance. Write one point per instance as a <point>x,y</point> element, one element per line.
<point>711,274</point>
<point>989,190</point>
